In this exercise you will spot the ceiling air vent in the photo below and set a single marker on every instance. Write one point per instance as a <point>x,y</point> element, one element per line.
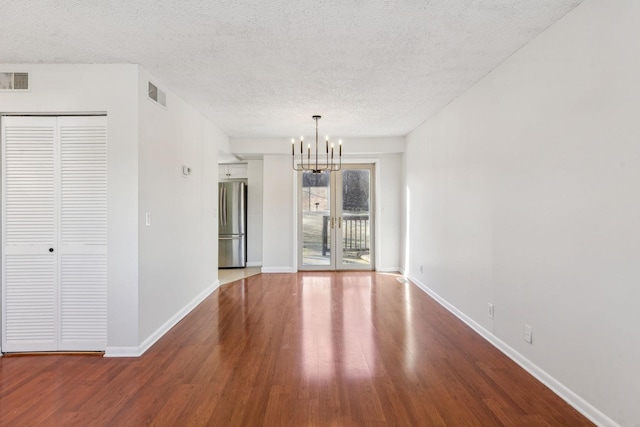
<point>14,81</point>
<point>157,95</point>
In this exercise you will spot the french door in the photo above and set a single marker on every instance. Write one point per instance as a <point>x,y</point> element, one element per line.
<point>54,233</point>
<point>335,219</point>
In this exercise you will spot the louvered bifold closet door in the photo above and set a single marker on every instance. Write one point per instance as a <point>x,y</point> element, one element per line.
<point>83,233</point>
<point>29,234</point>
<point>54,234</point>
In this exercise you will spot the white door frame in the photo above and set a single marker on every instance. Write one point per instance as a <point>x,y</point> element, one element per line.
<point>335,259</point>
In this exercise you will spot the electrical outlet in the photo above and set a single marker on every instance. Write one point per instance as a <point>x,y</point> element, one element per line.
<point>528,334</point>
<point>490,312</point>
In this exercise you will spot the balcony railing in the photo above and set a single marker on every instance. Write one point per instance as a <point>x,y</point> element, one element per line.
<point>356,235</point>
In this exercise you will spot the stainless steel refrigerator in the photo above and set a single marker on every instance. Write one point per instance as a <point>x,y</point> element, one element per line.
<point>232,224</point>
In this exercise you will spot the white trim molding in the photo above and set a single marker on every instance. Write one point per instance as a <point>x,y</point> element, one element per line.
<point>389,270</point>
<point>254,263</point>
<point>566,394</point>
<point>279,270</point>
<point>154,337</point>
<point>133,351</point>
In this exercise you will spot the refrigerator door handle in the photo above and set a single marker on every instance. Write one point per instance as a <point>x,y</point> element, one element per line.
<point>224,205</point>
<point>220,194</point>
<point>230,237</point>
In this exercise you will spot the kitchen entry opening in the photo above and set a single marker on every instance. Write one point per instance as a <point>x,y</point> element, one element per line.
<point>335,219</point>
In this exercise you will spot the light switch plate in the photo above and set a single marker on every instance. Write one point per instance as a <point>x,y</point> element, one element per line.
<point>528,334</point>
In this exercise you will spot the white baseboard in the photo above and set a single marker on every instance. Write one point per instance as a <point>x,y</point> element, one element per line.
<point>279,270</point>
<point>154,337</point>
<point>581,405</point>
<point>295,270</point>
<point>133,351</point>
<point>254,263</point>
<point>388,270</point>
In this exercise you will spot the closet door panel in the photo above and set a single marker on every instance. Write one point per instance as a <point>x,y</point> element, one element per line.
<point>83,173</point>
<point>83,308</point>
<point>29,183</point>
<point>30,303</point>
<point>83,233</point>
<point>29,232</point>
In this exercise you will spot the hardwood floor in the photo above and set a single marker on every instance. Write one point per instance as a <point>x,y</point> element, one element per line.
<point>307,349</point>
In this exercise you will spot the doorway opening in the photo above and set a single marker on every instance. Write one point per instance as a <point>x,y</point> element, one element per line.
<point>336,219</point>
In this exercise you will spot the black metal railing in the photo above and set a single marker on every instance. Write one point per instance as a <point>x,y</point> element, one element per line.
<point>356,234</point>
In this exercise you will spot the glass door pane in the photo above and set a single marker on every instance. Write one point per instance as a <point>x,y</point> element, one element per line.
<point>335,220</point>
<point>355,221</point>
<point>316,220</point>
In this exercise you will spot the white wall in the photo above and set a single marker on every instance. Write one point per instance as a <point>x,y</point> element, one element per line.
<point>178,252</point>
<point>279,219</point>
<point>524,192</point>
<point>254,212</point>
<point>111,89</point>
<point>389,208</point>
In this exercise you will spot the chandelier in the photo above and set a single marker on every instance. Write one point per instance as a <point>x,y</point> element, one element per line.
<point>316,166</point>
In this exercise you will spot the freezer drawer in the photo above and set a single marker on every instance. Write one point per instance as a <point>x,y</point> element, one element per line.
<point>232,251</point>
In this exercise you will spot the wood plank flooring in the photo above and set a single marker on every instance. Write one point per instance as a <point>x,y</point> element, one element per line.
<point>307,349</point>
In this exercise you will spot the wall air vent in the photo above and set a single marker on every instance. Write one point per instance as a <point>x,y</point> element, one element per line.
<point>14,81</point>
<point>157,95</point>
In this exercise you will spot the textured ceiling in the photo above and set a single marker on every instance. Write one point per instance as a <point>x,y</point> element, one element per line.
<point>263,68</point>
